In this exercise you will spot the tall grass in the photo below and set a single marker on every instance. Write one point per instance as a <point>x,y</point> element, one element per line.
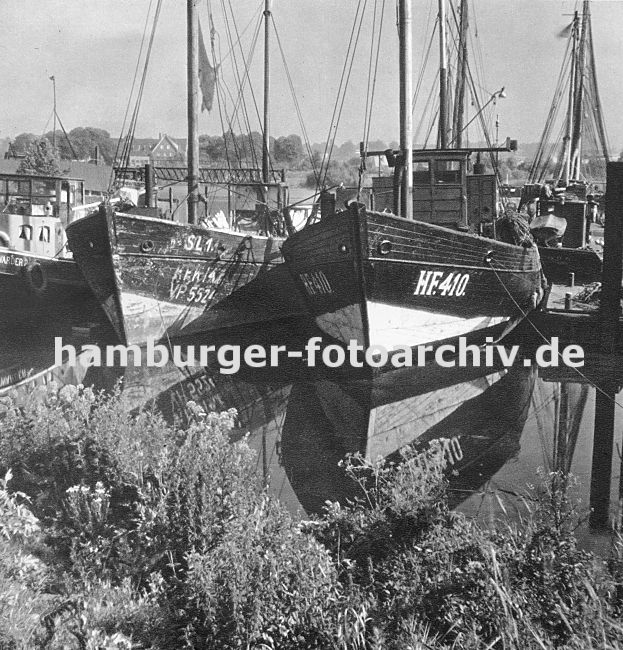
<point>119,531</point>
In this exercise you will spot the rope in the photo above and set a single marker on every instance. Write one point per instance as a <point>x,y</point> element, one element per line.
<point>132,128</point>
<point>127,108</point>
<point>536,329</point>
<point>247,64</point>
<point>297,107</point>
<point>341,93</point>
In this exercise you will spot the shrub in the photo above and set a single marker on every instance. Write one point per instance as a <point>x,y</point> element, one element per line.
<point>265,583</point>
<point>162,538</point>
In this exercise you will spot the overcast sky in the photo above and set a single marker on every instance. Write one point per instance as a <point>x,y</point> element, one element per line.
<point>91,47</point>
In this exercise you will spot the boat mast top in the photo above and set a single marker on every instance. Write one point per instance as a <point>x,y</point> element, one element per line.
<point>578,113</point>
<point>443,77</point>
<point>266,141</point>
<point>565,172</point>
<point>461,74</point>
<point>193,108</point>
<point>406,115</point>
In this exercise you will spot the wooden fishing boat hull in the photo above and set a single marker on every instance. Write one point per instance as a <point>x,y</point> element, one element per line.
<point>157,278</point>
<point>558,263</point>
<point>33,285</point>
<point>385,281</point>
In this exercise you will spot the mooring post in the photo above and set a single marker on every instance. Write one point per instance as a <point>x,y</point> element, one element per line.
<point>601,469</point>
<point>612,270</point>
<point>610,313</point>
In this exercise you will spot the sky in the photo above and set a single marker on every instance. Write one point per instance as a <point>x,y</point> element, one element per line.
<point>91,47</point>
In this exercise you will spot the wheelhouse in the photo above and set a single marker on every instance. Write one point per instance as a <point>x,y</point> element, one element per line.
<point>34,211</point>
<point>448,189</point>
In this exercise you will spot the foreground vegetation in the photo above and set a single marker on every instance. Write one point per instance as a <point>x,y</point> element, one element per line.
<point>123,532</point>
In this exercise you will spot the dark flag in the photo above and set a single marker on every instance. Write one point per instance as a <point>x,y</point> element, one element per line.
<point>207,75</point>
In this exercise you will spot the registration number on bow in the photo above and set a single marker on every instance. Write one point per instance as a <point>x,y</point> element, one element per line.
<point>441,283</point>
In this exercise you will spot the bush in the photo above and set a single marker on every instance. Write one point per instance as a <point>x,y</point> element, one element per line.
<point>118,531</point>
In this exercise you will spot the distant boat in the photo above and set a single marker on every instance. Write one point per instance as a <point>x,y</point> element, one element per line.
<point>38,276</point>
<point>567,178</point>
<point>419,272</point>
<point>160,278</point>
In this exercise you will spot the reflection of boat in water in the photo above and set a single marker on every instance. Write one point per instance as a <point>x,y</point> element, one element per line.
<point>261,410</point>
<point>479,416</point>
<point>28,357</point>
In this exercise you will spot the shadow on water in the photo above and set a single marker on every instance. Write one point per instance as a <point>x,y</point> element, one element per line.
<point>498,425</point>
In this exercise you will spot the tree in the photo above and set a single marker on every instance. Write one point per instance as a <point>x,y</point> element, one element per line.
<point>212,147</point>
<point>40,160</point>
<point>22,142</point>
<point>83,140</point>
<point>288,150</point>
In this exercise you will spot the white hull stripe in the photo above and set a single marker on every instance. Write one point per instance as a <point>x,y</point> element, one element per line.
<point>392,327</point>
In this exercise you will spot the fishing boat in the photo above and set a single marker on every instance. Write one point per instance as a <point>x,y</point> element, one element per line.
<point>38,275</point>
<point>564,197</point>
<point>433,262</point>
<point>158,277</point>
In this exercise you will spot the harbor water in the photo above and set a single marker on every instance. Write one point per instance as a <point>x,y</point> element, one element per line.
<point>502,429</point>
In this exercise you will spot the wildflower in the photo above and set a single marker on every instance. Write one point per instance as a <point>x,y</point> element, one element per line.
<point>68,394</point>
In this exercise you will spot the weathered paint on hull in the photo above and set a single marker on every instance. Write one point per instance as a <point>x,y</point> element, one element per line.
<point>382,280</point>
<point>157,278</point>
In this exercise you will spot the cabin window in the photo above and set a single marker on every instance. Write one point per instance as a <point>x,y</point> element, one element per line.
<point>25,232</point>
<point>44,188</point>
<point>19,188</point>
<point>448,171</point>
<point>44,234</point>
<point>421,172</point>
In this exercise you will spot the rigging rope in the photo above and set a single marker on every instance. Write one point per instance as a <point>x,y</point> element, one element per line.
<point>341,94</point>
<point>548,341</point>
<point>127,109</point>
<point>297,106</point>
<point>247,66</point>
<point>125,157</point>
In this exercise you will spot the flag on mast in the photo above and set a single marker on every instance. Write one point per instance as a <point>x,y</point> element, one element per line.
<point>207,75</point>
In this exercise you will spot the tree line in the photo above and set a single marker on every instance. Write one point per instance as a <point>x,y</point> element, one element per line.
<point>229,148</point>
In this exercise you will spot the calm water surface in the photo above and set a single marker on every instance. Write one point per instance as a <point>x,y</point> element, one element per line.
<point>499,429</point>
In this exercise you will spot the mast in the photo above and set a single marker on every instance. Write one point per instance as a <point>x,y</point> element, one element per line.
<point>459,100</point>
<point>443,78</point>
<point>193,108</point>
<point>53,80</point>
<point>566,157</point>
<point>576,136</point>
<point>266,142</point>
<point>406,117</point>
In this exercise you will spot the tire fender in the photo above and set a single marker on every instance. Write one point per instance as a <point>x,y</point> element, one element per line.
<point>36,278</point>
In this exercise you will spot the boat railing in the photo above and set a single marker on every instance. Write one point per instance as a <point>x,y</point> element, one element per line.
<point>213,175</point>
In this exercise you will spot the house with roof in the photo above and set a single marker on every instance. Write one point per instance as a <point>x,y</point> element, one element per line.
<point>163,151</point>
